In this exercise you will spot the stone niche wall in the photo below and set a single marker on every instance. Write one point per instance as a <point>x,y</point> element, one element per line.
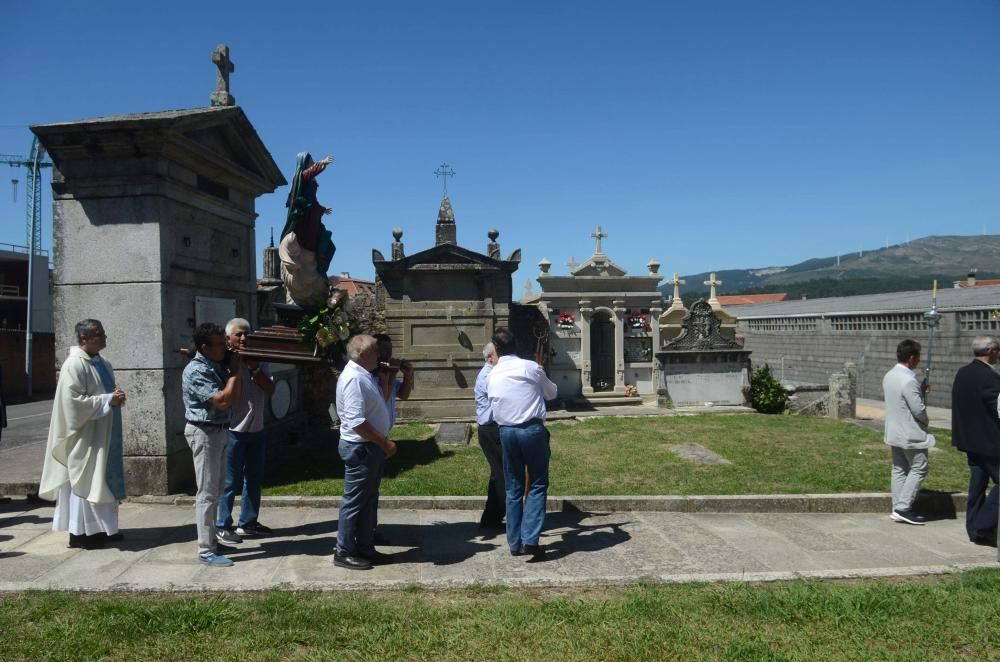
<point>151,211</point>
<point>812,355</point>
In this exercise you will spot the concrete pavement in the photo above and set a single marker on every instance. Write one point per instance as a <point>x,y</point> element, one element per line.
<point>446,548</point>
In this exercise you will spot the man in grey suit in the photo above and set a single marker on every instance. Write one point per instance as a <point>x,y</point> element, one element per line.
<point>906,432</point>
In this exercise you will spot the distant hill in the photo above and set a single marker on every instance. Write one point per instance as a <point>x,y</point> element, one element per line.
<point>896,268</point>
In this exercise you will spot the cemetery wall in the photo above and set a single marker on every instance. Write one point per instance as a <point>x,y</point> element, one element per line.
<point>809,348</point>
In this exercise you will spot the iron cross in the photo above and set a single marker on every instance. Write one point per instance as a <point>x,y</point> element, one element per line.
<point>444,170</point>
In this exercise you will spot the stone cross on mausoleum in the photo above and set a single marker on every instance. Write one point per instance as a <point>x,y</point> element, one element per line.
<point>677,282</point>
<point>572,263</point>
<point>221,95</point>
<point>712,282</point>
<point>598,235</point>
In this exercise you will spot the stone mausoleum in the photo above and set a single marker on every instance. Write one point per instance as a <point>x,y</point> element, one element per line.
<point>441,306</point>
<point>153,234</point>
<point>603,333</point>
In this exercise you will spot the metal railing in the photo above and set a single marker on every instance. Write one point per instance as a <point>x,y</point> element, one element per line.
<point>15,248</point>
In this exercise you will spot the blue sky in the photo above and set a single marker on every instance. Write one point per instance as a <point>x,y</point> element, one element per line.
<point>707,135</point>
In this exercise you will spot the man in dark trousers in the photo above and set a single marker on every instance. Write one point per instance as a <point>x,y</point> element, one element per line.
<point>975,430</point>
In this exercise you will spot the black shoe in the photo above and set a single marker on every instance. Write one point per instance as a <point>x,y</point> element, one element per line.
<point>351,562</point>
<point>537,552</point>
<point>518,551</point>
<point>908,517</point>
<point>376,558</point>
<point>95,541</point>
<point>115,537</point>
<point>987,539</point>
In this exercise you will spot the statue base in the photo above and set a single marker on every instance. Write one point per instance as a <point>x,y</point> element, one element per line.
<point>282,343</point>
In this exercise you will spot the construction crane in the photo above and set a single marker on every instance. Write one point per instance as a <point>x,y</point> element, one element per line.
<point>34,164</point>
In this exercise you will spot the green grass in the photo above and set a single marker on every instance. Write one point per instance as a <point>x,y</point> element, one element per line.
<point>618,456</point>
<point>951,617</point>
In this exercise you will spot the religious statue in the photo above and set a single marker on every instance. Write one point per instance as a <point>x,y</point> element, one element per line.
<point>306,248</point>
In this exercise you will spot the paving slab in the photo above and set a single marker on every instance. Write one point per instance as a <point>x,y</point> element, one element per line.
<point>446,548</point>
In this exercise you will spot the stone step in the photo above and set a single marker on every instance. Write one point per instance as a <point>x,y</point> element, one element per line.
<point>607,401</point>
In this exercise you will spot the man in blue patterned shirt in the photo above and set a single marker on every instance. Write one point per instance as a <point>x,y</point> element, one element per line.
<point>210,386</point>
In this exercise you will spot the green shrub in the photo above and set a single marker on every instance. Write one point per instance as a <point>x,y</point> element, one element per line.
<point>766,393</point>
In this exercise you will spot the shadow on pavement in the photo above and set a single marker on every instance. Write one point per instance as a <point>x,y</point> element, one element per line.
<point>24,516</point>
<point>580,537</point>
<point>936,505</point>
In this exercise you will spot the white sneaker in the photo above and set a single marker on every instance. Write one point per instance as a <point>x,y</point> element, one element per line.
<point>227,537</point>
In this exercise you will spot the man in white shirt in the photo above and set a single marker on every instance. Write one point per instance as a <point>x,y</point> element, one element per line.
<point>364,447</point>
<point>906,432</point>
<point>488,433</point>
<point>517,391</point>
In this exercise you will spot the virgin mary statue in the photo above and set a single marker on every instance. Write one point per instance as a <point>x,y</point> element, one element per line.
<point>306,245</point>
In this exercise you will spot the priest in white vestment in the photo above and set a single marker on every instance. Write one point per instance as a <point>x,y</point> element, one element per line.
<point>84,471</point>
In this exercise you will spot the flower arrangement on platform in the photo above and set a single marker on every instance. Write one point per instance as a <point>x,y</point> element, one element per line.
<point>631,391</point>
<point>636,320</point>
<point>567,321</point>
<point>328,329</point>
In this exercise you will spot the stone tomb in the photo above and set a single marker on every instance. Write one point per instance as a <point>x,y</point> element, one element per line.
<point>702,366</point>
<point>441,306</point>
<point>153,212</point>
<point>602,328</point>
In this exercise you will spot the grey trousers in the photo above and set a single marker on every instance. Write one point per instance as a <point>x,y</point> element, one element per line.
<point>909,467</point>
<point>208,449</point>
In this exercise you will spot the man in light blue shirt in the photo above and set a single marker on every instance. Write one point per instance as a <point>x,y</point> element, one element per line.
<point>210,386</point>
<point>488,433</point>
<point>364,447</point>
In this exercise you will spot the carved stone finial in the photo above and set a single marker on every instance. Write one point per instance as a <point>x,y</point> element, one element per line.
<point>653,266</point>
<point>397,245</point>
<point>221,95</point>
<point>492,247</point>
<point>545,265</point>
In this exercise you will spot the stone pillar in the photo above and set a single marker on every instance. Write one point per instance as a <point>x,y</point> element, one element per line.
<point>620,310</point>
<point>655,310</point>
<point>586,314</point>
<point>152,212</point>
<point>840,396</point>
<point>851,369</point>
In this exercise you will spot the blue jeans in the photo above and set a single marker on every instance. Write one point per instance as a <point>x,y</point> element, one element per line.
<point>525,446</point>
<point>244,472</point>
<point>363,465</point>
